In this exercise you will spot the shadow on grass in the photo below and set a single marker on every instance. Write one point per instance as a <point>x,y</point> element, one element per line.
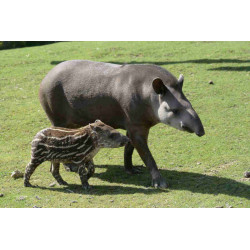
<point>243,68</point>
<point>22,44</point>
<point>179,180</point>
<point>202,61</point>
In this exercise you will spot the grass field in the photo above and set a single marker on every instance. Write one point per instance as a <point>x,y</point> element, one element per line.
<point>203,172</point>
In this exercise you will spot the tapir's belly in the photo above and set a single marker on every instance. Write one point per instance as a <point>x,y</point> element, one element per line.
<point>106,109</point>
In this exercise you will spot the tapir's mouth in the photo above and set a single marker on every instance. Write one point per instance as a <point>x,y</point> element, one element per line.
<point>187,129</point>
<point>201,133</point>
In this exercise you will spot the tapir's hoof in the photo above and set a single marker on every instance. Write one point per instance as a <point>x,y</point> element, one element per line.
<point>27,184</point>
<point>159,183</point>
<point>134,170</point>
<point>63,183</point>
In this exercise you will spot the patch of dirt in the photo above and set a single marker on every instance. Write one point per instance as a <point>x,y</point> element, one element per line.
<point>244,179</point>
<point>215,170</point>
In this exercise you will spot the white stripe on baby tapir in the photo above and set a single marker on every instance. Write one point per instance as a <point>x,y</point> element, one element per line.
<point>50,155</point>
<point>83,144</point>
<point>66,155</point>
<point>37,158</point>
<point>65,137</point>
<point>82,153</point>
<point>65,131</point>
<point>78,162</point>
<point>79,137</point>
<point>57,155</point>
<point>42,134</point>
<point>44,152</point>
<point>52,146</point>
<point>35,152</point>
<point>36,140</point>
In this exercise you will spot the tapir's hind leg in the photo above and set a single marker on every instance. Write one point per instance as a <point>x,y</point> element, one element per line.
<point>31,167</point>
<point>54,169</point>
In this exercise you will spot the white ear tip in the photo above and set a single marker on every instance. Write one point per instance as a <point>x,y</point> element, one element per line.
<point>181,77</point>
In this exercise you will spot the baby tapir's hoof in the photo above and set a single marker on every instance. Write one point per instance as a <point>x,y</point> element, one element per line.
<point>86,186</point>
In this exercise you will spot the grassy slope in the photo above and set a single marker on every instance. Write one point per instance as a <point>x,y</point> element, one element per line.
<point>203,172</point>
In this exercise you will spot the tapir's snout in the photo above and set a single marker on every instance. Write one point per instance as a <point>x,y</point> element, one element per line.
<point>199,129</point>
<point>201,132</point>
<point>194,127</point>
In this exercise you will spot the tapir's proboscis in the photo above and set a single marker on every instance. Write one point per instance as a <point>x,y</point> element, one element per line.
<point>133,97</point>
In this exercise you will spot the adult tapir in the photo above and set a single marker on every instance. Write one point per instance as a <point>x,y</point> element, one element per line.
<point>133,97</point>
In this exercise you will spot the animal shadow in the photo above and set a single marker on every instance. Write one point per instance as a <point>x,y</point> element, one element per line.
<point>140,183</point>
<point>178,180</point>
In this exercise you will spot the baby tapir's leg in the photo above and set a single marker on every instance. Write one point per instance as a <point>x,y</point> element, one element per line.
<point>31,167</point>
<point>54,169</point>
<point>91,168</point>
<point>83,173</point>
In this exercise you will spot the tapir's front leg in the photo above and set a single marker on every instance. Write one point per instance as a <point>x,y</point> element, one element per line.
<point>139,136</point>
<point>128,152</point>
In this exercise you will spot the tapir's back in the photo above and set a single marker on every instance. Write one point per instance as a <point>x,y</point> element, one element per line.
<point>77,92</point>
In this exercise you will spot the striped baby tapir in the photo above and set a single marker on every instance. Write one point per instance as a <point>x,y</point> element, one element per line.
<point>72,147</point>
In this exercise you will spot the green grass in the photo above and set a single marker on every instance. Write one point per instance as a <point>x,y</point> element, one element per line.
<point>203,172</point>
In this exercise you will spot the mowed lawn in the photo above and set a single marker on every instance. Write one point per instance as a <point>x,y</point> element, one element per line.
<point>202,172</point>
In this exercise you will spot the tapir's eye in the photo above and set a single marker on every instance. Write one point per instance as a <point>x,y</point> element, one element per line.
<point>175,111</point>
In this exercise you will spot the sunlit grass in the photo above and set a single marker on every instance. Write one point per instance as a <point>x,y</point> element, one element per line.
<point>203,172</point>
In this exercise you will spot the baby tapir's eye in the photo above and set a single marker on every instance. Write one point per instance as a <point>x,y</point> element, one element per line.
<point>114,136</point>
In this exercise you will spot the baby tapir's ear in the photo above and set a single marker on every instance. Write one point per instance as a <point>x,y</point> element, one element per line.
<point>98,120</point>
<point>91,126</point>
<point>159,86</point>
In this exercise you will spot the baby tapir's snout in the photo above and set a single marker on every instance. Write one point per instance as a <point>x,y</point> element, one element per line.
<point>123,140</point>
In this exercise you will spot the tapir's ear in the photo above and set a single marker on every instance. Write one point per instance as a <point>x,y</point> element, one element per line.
<point>159,86</point>
<point>181,80</point>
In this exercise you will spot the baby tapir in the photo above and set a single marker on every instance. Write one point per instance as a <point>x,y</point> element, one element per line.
<point>72,146</point>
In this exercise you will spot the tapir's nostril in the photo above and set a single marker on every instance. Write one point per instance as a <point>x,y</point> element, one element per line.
<point>201,133</point>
